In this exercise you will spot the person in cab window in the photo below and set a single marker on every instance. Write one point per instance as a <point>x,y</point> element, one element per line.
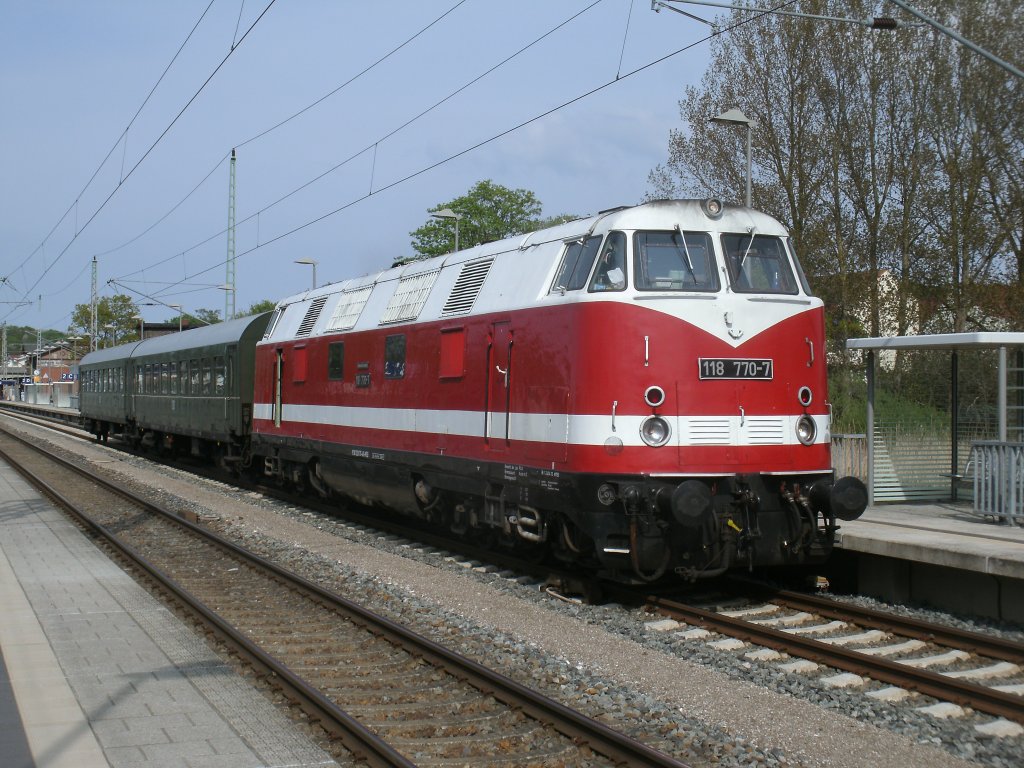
<point>611,267</point>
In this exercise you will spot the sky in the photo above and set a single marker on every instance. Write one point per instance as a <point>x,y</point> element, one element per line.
<point>97,162</point>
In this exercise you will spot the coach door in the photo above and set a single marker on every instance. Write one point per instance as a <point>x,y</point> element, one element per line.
<point>499,386</point>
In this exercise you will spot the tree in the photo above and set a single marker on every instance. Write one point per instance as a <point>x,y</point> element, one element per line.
<point>206,316</point>
<point>487,212</point>
<point>259,307</point>
<point>115,320</point>
<point>895,154</point>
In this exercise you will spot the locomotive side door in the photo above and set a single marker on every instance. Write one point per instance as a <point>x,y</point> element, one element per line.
<point>499,386</point>
<point>278,377</point>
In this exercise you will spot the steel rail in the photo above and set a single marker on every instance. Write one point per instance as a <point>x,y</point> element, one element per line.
<point>989,646</point>
<point>570,723</point>
<point>964,693</point>
<point>363,743</point>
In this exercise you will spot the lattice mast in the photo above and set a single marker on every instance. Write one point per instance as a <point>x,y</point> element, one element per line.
<point>229,287</point>
<point>93,307</point>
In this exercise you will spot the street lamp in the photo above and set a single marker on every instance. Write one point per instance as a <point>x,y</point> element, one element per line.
<point>312,263</point>
<point>142,326</point>
<point>735,117</point>
<point>228,288</point>
<point>448,213</point>
<point>177,307</point>
<point>113,333</point>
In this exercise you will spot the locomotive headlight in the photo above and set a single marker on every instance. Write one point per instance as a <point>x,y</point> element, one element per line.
<point>655,431</point>
<point>712,207</point>
<point>806,430</point>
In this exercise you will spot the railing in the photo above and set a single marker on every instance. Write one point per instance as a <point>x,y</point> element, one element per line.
<point>999,480</point>
<point>850,456</point>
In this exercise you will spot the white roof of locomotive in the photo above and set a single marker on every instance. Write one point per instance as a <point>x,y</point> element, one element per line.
<point>522,270</point>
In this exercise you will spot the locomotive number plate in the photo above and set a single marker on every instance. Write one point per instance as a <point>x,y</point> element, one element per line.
<point>734,368</point>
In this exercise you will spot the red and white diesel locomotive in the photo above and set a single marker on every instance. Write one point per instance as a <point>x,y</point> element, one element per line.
<point>641,392</point>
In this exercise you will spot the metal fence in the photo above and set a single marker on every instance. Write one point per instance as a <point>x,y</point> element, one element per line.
<point>850,456</point>
<point>999,480</point>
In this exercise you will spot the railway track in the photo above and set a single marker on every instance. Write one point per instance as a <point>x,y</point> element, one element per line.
<point>561,580</point>
<point>967,669</point>
<point>389,696</point>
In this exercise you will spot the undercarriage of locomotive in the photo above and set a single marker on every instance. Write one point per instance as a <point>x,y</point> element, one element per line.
<point>629,529</point>
<point>699,529</point>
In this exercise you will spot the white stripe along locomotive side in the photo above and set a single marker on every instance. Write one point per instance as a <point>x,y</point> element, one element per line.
<point>643,392</point>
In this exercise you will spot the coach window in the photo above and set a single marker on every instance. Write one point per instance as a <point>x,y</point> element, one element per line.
<point>218,375</point>
<point>394,356</point>
<point>674,261</point>
<point>610,274</point>
<point>758,264</point>
<point>207,377</point>
<point>165,378</point>
<point>336,361</point>
<point>453,353</point>
<point>194,378</point>
<point>576,263</point>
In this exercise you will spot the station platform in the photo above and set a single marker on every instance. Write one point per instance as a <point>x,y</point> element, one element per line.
<point>940,554</point>
<point>68,415</point>
<point>95,672</point>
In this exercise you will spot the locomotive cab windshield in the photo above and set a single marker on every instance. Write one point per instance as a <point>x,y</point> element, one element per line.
<point>758,264</point>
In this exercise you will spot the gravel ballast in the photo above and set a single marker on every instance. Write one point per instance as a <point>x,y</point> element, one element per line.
<point>704,706</point>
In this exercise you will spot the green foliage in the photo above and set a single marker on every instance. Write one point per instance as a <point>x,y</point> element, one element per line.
<point>205,316</point>
<point>260,306</point>
<point>22,338</point>
<point>487,212</point>
<point>117,311</point>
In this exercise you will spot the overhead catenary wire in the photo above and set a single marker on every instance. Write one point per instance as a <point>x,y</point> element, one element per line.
<point>375,144</point>
<point>146,154</point>
<point>280,124</point>
<point>478,145</point>
<point>122,137</point>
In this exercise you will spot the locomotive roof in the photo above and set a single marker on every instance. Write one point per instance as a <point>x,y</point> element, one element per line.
<point>206,336</point>
<point>503,275</point>
<point>734,218</point>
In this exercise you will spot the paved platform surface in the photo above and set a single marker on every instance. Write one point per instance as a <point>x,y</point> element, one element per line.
<point>939,554</point>
<point>94,672</point>
<point>943,534</point>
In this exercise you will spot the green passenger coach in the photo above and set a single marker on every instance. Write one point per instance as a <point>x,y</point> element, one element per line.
<point>185,393</point>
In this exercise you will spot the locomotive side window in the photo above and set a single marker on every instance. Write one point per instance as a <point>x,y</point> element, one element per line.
<point>577,260</point>
<point>801,275</point>
<point>674,261</point>
<point>336,361</point>
<point>611,267</point>
<point>394,356</point>
<point>758,264</point>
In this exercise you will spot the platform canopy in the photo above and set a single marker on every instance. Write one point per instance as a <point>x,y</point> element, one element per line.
<point>954,343</point>
<point>948,341</point>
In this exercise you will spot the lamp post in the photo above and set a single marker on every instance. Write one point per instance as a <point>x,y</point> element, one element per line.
<point>448,213</point>
<point>735,117</point>
<point>312,263</point>
<point>74,347</point>
<point>230,289</point>
<point>177,307</point>
<point>113,333</point>
<point>142,326</point>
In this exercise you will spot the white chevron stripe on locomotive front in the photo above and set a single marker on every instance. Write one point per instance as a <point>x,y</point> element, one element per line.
<point>556,428</point>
